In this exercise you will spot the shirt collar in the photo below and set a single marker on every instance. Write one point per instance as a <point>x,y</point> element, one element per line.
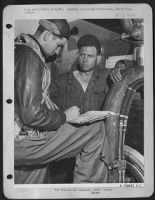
<point>28,40</point>
<point>95,76</point>
<point>70,77</point>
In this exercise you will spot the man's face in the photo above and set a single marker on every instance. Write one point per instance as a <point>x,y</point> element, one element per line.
<point>88,58</point>
<point>54,44</point>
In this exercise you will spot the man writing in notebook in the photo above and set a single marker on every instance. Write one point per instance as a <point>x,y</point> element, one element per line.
<point>44,132</point>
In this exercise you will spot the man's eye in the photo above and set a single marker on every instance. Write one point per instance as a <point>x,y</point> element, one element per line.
<point>87,55</point>
<point>90,56</point>
<point>61,45</point>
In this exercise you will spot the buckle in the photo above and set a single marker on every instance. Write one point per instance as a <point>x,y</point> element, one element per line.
<point>33,133</point>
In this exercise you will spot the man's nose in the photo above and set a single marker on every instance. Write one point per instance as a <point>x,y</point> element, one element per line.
<point>85,58</point>
<point>57,50</point>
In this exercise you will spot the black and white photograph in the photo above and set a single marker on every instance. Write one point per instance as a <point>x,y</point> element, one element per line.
<point>78,103</point>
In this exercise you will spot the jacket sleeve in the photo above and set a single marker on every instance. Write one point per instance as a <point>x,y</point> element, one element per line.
<point>57,91</point>
<point>54,92</point>
<point>28,87</point>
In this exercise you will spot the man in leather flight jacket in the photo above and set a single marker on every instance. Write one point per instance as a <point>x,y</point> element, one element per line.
<point>43,133</point>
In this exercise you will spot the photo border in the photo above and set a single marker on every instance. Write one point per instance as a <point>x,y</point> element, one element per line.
<point>19,191</point>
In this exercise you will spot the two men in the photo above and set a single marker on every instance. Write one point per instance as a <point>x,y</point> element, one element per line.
<point>44,134</point>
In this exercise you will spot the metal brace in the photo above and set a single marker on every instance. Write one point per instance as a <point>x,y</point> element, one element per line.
<point>119,164</point>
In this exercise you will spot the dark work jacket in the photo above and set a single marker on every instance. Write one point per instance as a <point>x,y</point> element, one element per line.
<point>28,92</point>
<point>66,91</point>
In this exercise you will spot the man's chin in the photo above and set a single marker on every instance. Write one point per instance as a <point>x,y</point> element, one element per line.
<point>86,70</point>
<point>51,58</point>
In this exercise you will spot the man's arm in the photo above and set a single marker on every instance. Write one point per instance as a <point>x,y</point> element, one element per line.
<point>28,86</point>
<point>120,67</point>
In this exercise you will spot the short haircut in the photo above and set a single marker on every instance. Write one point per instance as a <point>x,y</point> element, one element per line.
<point>89,40</point>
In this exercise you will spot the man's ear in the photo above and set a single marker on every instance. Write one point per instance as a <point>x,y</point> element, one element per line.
<point>45,36</point>
<point>98,59</point>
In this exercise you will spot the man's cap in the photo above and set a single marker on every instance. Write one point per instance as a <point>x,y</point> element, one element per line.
<point>89,40</point>
<point>59,27</point>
